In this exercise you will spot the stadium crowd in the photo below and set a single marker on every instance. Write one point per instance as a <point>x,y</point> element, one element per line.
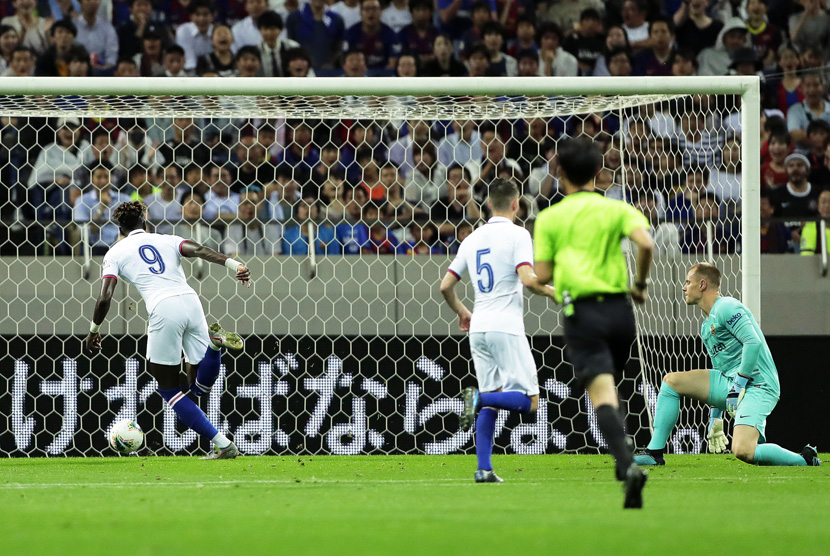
<point>412,187</point>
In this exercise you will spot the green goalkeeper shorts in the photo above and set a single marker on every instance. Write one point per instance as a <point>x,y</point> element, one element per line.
<point>755,406</point>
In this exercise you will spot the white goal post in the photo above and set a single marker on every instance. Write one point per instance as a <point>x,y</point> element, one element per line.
<point>347,354</point>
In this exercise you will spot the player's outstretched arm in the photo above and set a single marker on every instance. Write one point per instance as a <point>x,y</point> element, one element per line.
<point>102,307</point>
<point>531,281</point>
<point>645,253</point>
<point>448,291</point>
<point>192,249</point>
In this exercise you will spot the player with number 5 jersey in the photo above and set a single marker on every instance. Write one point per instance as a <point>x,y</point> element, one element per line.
<point>499,259</point>
<point>152,263</point>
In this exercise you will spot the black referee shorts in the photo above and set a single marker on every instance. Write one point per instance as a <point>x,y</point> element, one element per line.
<point>598,336</point>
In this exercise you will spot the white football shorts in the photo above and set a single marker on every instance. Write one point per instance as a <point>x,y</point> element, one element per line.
<point>503,361</point>
<point>177,324</point>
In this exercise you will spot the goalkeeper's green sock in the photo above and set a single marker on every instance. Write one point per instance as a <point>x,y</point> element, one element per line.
<point>665,418</point>
<point>773,454</point>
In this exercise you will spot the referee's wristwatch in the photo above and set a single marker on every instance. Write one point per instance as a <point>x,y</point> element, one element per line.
<point>641,285</point>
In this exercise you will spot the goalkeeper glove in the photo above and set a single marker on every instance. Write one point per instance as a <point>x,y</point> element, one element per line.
<point>717,439</point>
<point>736,394</point>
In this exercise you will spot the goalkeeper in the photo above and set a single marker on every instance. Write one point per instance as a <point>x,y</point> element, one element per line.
<point>743,381</point>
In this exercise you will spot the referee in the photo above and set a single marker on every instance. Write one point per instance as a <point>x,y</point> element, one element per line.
<point>577,244</point>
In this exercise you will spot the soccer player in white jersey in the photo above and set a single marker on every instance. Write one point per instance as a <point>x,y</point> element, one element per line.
<point>152,263</point>
<point>499,259</point>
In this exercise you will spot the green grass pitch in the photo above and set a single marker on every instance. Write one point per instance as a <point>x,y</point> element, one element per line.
<point>403,505</point>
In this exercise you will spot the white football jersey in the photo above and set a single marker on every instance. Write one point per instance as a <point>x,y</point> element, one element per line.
<point>492,255</point>
<point>151,263</point>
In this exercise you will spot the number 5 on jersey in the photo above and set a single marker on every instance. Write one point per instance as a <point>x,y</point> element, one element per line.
<point>484,267</point>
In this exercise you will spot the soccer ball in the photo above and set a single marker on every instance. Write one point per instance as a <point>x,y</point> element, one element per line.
<point>126,436</point>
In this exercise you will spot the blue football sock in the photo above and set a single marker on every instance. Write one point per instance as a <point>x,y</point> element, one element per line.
<point>668,411</point>
<point>485,431</point>
<point>514,401</point>
<point>207,372</point>
<point>773,454</point>
<point>188,412</point>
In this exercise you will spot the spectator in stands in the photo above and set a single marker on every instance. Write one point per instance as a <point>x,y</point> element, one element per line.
<point>493,164</point>
<point>397,15</point>
<point>164,208</point>
<point>695,29</point>
<point>424,183</point>
<point>587,42</point>
<point>619,63</point>
<point>173,62</point>
<point>659,57</point>
<point>666,234</point>
<point>553,59</point>
<point>696,238</point>
<point>814,106</point>
<point>54,62</point>
<point>810,235</point>
<point>184,148</point>
<point>715,60</point>
<point>381,240</point>
<point>528,63</point>
<point>397,209</point>
<point>95,207</point>
<point>774,170</point>
<point>248,62</point>
<point>55,165</point>
<point>79,65</point>
<point>525,36</point>
<point>193,226</point>
<point>681,206</point>
<point>798,198</point>
<point>457,204</point>
<point>220,202</point>
<point>349,10</point>
<point>130,33</point>
<point>698,144</point>
<point>567,13</point>
<point>295,235</point>
<point>248,235</point>
<point>478,62</point>
<point>500,64</point>
<point>319,31</point>
<point>33,30</point>
<point>462,145</point>
<point>126,68</point>
<point>635,23</point>
<point>354,64</point>
<point>418,38</point>
<point>301,154</point>
<point>149,61</point>
<point>812,58</point>
<point>378,42</point>
<point>775,236</point>
<point>812,26</point>
<point>9,41</point>
<point>725,179</point>
<point>765,37</point>
<point>273,47</point>
<point>328,166</point>
<point>220,62</point>
<point>353,234</point>
<point>456,15</point>
<point>100,151</point>
<point>298,63</point>
<point>23,63</point>
<point>333,198</point>
<point>281,195</point>
<point>423,239</point>
<point>789,90</point>
<point>98,37</point>
<point>462,231</point>
<point>195,36</point>
<point>684,63</point>
<point>407,66</point>
<point>615,39</point>
<point>818,134</point>
<point>370,176</point>
<point>820,175</point>
<point>133,149</point>
<point>444,63</point>
<point>246,32</point>
<point>254,170</point>
<point>481,15</point>
<point>139,186</point>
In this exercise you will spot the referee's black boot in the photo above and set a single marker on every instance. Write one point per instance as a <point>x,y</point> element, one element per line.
<point>635,480</point>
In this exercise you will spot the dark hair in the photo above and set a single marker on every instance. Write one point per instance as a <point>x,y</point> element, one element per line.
<point>78,53</point>
<point>64,24</point>
<point>297,53</point>
<point>526,18</point>
<point>479,48</point>
<point>815,124</point>
<point>660,19</point>
<point>136,170</point>
<point>174,49</point>
<point>616,52</point>
<point>579,159</point>
<point>126,61</point>
<point>590,13</point>
<point>196,4</point>
<point>414,4</point>
<point>478,6</point>
<point>548,27</point>
<point>501,193</point>
<point>492,28</point>
<point>699,169</point>
<point>249,50</point>
<point>465,173</point>
<point>130,215</point>
<point>782,136</point>
<point>101,165</point>
<point>687,54</point>
<point>24,49</point>
<point>775,124</point>
<point>270,20</point>
<point>527,53</point>
<point>6,28</point>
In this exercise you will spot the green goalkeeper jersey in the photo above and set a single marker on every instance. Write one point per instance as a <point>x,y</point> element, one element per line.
<point>735,344</point>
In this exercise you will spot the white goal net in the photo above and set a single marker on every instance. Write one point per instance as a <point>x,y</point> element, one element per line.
<point>347,199</point>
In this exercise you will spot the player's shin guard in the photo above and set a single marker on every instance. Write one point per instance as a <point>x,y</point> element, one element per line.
<point>611,426</point>
<point>773,454</point>
<point>513,401</point>
<point>485,431</point>
<point>665,418</point>
<point>188,412</point>
<point>207,372</point>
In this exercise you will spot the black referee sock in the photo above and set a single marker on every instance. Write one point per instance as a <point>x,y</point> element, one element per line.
<point>611,426</point>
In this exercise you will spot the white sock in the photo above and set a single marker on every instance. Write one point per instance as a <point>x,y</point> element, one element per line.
<point>220,441</point>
